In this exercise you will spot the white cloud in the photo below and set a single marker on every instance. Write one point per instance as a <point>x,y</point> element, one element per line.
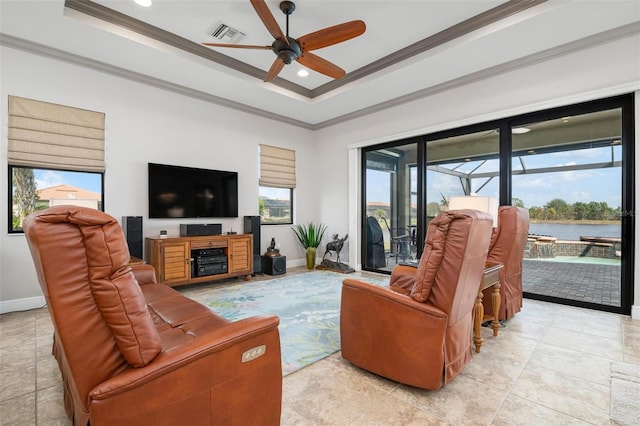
<point>49,178</point>
<point>528,183</point>
<point>584,197</point>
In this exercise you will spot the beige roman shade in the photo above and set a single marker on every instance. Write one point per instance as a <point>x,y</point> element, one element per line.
<point>46,135</point>
<point>277,167</point>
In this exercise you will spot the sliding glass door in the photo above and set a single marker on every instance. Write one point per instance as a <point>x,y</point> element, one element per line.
<point>570,167</point>
<point>390,206</point>
<point>567,171</point>
<point>461,164</point>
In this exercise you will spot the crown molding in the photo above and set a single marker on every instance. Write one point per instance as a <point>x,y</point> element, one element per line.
<point>605,37</point>
<point>474,23</point>
<point>62,56</point>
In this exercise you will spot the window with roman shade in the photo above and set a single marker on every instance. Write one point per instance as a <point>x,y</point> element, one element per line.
<point>52,136</point>
<point>276,184</point>
<point>55,155</point>
<point>277,167</point>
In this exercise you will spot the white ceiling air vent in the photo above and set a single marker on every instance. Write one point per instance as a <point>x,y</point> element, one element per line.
<point>225,34</point>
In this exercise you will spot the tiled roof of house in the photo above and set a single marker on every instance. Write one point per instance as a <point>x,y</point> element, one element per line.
<point>66,192</point>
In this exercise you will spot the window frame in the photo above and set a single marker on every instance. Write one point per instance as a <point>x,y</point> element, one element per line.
<point>261,213</point>
<point>10,187</point>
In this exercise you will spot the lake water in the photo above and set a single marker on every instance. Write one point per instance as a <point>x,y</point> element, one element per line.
<point>573,232</point>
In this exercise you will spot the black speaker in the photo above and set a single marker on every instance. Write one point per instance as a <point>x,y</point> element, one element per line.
<point>132,227</point>
<point>199,229</point>
<point>274,265</point>
<point>252,226</point>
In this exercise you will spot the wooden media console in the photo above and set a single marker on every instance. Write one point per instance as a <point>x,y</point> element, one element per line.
<point>190,260</point>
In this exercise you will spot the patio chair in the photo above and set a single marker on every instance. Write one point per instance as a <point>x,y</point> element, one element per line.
<point>400,240</point>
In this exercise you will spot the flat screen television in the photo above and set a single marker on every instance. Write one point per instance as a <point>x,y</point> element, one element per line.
<point>187,192</point>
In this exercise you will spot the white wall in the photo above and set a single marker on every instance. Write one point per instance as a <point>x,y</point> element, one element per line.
<point>603,71</point>
<point>145,124</point>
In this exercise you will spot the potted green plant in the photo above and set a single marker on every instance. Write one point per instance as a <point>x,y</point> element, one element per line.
<point>310,236</point>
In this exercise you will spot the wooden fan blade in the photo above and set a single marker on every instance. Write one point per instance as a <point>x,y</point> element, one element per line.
<point>238,46</point>
<point>320,65</point>
<point>332,35</point>
<point>268,20</point>
<point>275,69</point>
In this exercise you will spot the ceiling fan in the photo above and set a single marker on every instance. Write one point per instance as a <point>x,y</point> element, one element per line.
<point>288,49</point>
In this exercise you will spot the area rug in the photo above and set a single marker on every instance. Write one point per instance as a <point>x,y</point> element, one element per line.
<point>308,305</point>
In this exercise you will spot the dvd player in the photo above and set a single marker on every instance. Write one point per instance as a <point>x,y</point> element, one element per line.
<point>211,269</point>
<point>209,262</point>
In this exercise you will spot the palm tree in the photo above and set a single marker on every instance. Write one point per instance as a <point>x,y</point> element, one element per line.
<point>24,196</point>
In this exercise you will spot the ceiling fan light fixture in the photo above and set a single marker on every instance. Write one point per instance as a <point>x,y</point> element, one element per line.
<point>287,56</point>
<point>303,73</point>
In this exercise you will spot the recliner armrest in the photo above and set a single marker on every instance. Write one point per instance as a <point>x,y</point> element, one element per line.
<point>394,301</point>
<point>144,273</point>
<point>403,278</point>
<point>199,347</point>
<point>217,369</point>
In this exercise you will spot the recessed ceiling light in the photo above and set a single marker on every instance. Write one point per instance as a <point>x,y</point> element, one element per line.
<point>520,130</point>
<point>303,73</point>
<point>143,3</point>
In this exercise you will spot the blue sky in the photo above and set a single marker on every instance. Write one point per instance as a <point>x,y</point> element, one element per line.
<point>600,184</point>
<point>87,181</point>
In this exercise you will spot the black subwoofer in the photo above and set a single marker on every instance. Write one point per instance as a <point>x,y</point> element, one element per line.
<point>274,265</point>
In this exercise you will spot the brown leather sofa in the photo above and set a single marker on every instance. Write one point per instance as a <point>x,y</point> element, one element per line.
<point>418,330</point>
<point>134,352</point>
<point>507,247</point>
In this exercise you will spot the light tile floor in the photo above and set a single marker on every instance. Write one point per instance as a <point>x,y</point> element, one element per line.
<point>550,364</point>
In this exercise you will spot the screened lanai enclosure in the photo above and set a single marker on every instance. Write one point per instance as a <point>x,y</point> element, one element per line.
<point>568,167</point>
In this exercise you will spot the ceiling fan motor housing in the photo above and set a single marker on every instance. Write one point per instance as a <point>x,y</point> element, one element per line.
<point>287,52</point>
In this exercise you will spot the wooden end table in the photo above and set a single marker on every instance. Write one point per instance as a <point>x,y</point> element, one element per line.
<point>490,278</point>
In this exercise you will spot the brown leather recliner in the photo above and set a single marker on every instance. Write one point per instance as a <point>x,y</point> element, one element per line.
<point>418,330</point>
<point>135,352</point>
<point>507,247</point>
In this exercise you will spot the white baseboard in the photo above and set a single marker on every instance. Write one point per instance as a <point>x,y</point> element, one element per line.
<point>25,304</point>
<point>635,312</point>
<point>296,262</point>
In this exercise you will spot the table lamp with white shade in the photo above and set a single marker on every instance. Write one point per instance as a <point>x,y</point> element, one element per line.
<point>476,202</point>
